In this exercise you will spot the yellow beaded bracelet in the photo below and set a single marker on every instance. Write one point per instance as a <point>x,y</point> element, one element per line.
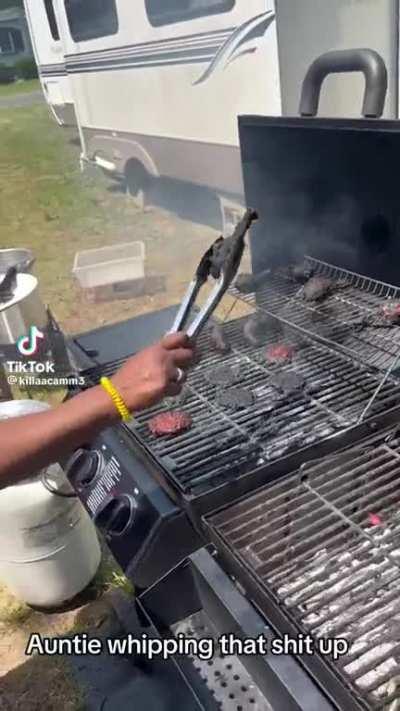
<point>117,399</point>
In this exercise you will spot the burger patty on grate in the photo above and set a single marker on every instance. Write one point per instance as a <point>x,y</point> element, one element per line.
<point>235,398</point>
<point>172,422</point>
<point>279,353</point>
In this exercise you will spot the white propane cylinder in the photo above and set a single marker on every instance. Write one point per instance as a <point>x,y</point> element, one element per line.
<point>49,550</point>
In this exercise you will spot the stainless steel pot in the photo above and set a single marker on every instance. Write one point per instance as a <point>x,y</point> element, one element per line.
<point>24,310</point>
<point>22,259</point>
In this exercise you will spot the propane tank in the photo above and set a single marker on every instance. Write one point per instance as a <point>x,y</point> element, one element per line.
<point>49,550</point>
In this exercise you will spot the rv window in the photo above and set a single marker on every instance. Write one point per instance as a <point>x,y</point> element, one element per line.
<point>51,16</point>
<point>165,12</point>
<point>90,19</point>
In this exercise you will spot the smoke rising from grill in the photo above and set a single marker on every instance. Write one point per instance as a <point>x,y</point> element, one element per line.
<point>327,193</point>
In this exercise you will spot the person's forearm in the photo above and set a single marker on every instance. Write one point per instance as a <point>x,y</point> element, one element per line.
<point>27,444</point>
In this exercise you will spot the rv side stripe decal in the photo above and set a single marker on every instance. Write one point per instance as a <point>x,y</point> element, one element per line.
<point>183,40</point>
<point>189,49</point>
<point>53,70</point>
<point>186,56</point>
<point>218,47</point>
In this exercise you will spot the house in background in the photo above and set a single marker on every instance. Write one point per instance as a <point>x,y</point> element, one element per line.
<point>15,42</point>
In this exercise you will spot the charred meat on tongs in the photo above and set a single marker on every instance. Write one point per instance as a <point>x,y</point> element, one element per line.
<point>221,261</point>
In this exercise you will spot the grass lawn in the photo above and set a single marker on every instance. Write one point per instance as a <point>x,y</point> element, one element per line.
<point>47,205</point>
<point>19,87</point>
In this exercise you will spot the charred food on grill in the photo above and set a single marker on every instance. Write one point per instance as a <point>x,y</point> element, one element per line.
<point>257,328</point>
<point>287,382</point>
<point>223,376</point>
<point>385,316</point>
<point>280,353</point>
<point>236,398</point>
<point>219,340</point>
<point>170,423</point>
<point>301,273</point>
<point>318,288</point>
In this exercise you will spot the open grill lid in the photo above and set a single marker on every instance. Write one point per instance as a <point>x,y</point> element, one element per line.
<point>326,187</point>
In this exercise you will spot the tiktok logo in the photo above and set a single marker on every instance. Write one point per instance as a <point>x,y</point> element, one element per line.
<point>29,345</point>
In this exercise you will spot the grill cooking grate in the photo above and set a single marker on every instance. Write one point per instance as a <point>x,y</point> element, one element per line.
<point>223,445</point>
<point>326,544</point>
<point>335,320</point>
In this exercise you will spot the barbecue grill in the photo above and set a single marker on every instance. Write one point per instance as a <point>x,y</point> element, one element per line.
<point>298,493</point>
<point>229,453</point>
<point>320,549</point>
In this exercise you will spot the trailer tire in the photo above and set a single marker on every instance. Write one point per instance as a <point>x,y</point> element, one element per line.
<point>137,181</point>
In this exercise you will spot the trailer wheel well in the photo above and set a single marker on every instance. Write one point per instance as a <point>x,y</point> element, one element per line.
<point>136,176</point>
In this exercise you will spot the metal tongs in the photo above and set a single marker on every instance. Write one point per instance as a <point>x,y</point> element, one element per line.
<point>222,262</point>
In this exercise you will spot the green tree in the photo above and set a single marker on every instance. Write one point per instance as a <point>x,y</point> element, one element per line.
<point>4,4</point>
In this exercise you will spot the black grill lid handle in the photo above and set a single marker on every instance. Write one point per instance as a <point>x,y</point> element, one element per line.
<point>367,61</point>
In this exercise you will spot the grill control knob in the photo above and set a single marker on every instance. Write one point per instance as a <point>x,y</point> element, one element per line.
<point>83,467</point>
<point>115,517</point>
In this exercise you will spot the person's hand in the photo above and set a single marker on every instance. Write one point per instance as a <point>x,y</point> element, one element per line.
<point>155,373</point>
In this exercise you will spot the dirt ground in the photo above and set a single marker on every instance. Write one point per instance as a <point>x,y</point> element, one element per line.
<point>48,683</point>
<point>48,206</point>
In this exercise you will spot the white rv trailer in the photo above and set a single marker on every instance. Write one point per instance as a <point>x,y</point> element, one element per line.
<point>158,84</point>
<point>49,54</point>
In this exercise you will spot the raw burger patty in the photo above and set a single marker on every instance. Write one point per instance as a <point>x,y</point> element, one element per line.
<point>170,423</point>
<point>235,398</point>
<point>391,312</point>
<point>279,353</point>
